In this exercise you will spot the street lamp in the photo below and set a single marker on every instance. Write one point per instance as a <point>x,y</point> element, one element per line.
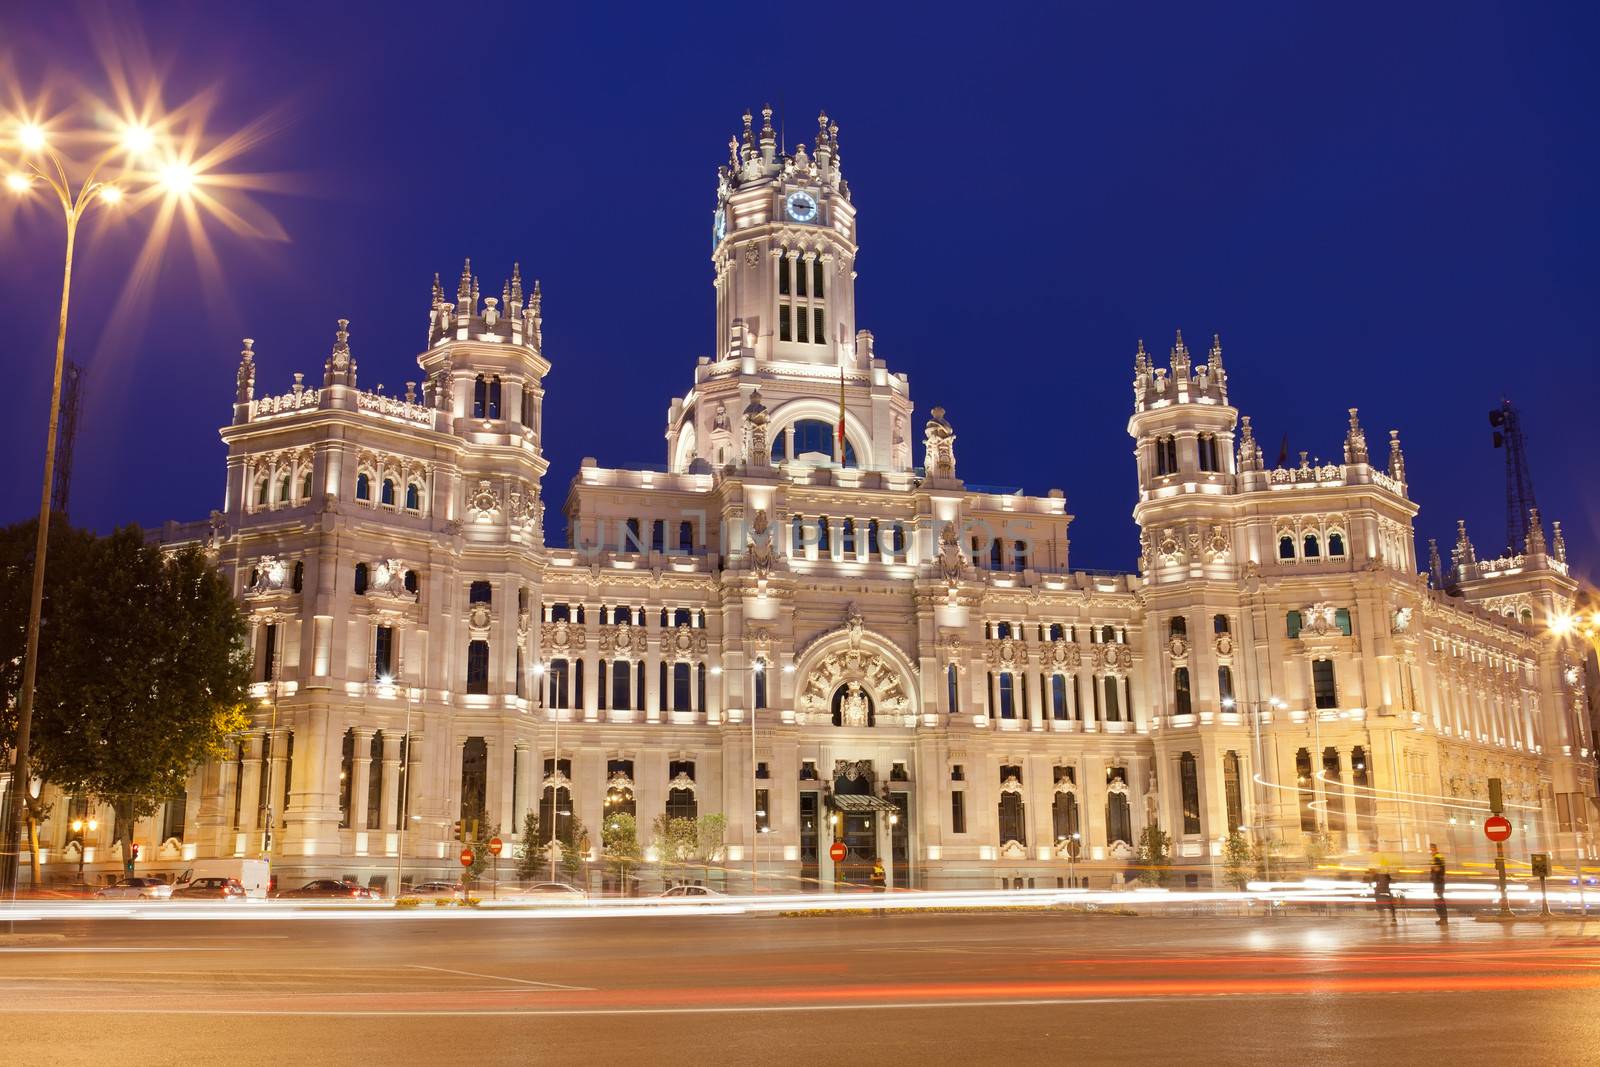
<point>42,165</point>
<point>758,671</point>
<point>78,826</point>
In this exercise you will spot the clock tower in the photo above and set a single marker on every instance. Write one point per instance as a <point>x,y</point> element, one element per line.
<point>783,250</point>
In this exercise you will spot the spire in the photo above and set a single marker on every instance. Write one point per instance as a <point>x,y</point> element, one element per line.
<point>1435,565</point>
<point>340,369</point>
<point>438,292</point>
<point>1534,545</point>
<point>1249,449</point>
<point>1463,557</point>
<point>1355,440</point>
<point>535,314</point>
<point>247,372</point>
<point>464,287</point>
<point>1180,359</point>
<point>516,288</point>
<point>1141,374</point>
<point>1558,542</point>
<point>1397,459</point>
<point>475,296</point>
<point>769,139</point>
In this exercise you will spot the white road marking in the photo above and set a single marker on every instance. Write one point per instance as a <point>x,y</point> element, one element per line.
<point>503,978</point>
<point>107,948</point>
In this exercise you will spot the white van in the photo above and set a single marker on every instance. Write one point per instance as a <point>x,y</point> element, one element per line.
<point>254,875</point>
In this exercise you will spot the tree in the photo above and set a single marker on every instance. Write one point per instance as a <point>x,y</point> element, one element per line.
<point>1319,846</point>
<point>676,841</point>
<point>575,850</point>
<point>143,668</point>
<point>478,832</point>
<point>1238,860</point>
<point>1155,854</point>
<point>711,831</point>
<point>532,856</point>
<point>619,839</point>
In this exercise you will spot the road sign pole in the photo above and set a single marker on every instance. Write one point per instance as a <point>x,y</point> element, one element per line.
<point>1500,867</point>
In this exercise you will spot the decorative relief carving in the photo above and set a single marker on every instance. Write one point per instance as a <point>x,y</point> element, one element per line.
<point>483,501</point>
<point>1006,652</point>
<point>623,639</point>
<point>685,642</point>
<point>1061,655</point>
<point>560,638</point>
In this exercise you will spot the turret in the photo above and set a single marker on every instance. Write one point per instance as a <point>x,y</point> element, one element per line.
<point>1183,424</point>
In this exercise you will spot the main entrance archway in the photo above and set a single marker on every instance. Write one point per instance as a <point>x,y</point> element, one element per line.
<point>856,679</point>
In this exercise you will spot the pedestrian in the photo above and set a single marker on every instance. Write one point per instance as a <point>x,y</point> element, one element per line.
<point>880,880</point>
<point>1383,893</point>
<point>1436,875</point>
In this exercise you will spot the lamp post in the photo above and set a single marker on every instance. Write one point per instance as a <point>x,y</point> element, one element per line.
<point>1260,782</point>
<point>43,165</point>
<point>78,827</point>
<point>1584,626</point>
<point>758,670</point>
<point>405,784</point>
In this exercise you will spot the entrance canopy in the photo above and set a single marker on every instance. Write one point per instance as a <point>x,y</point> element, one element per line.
<point>860,803</point>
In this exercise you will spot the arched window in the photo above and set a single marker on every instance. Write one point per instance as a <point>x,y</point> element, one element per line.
<point>1178,626</point>
<point>262,489</point>
<point>494,397</point>
<point>1225,685</point>
<point>1311,546</point>
<point>1013,818</point>
<point>952,681</point>
<point>824,535</point>
<point>305,486</point>
<point>283,490</point>
<point>1336,544</point>
<point>386,494</point>
<point>480,397</point>
<point>363,487</point>
<point>1060,709</point>
<point>411,583</point>
<point>413,497</point>
<point>478,666</point>
<point>1064,813</point>
<point>480,592</point>
<point>898,539</point>
<point>1008,695</point>
<point>1181,702</point>
<point>1219,624</point>
<point>847,538</point>
<point>1286,547</point>
<point>761,683</point>
<point>874,539</point>
<point>1119,818</point>
<point>686,537</point>
<point>1019,556</point>
<point>1189,792</point>
<point>361,579</point>
<point>995,553</point>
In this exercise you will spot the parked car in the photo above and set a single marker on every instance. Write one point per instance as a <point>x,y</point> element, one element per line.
<point>543,893</point>
<point>691,892</point>
<point>435,891</point>
<point>328,889</point>
<point>135,889</point>
<point>255,875</point>
<point>211,889</point>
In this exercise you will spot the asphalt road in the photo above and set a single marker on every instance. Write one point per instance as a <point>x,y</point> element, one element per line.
<point>418,988</point>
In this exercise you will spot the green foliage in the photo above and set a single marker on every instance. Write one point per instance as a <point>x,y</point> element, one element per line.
<point>1238,860</point>
<point>478,840</point>
<point>676,841</point>
<point>143,669</point>
<point>619,841</point>
<point>532,859</point>
<point>1154,855</point>
<point>711,833</point>
<point>1318,846</point>
<point>575,851</point>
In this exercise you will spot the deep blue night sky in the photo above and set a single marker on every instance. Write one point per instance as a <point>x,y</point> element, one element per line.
<point>1375,206</point>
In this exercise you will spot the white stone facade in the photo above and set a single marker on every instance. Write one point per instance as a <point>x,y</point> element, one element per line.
<point>791,606</point>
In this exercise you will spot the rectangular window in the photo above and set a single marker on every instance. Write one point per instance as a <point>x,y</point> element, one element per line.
<point>1225,686</point>
<point>801,322</point>
<point>1059,709</point>
<point>808,827</point>
<point>783,276</point>
<point>1181,702</point>
<point>1341,619</point>
<point>1232,792</point>
<point>783,323</point>
<point>800,277</point>
<point>763,819</point>
<point>761,687</point>
<point>958,811</point>
<point>819,332</point>
<point>560,693</point>
<point>1008,699</point>
<point>1308,793</point>
<point>1189,784</point>
<point>680,687</point>
<point>1292,623</point>
<point>1113,713</point>
<point>477,666</point>
<point>1323,683</point>
<point>383,653</point>
<point>816,278</point>
<point>621,674</point>
<point>269,650</point>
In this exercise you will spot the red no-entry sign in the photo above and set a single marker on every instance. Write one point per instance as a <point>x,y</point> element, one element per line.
<point>495,845</point>
<point>467,857</point>
<point>836,852</point>
<point>1497,828</point>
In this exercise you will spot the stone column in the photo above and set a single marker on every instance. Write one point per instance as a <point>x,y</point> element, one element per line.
<point>503,798</point>
<point>527,785</point>
<point>652,676</point>
<point>1352,830</point>
<point>389,796</point>
<point>361,779</point>
<point>250,789</point>
<point>276,771</point>
<point>1033,678</point>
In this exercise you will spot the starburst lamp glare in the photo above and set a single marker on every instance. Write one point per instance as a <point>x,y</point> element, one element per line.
<point>17,183</point>
<point>177,178</point>
<point>30,136</point>
<point>137,140</point>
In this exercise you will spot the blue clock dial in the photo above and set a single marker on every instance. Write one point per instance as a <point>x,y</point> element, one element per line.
<point>802,207</point>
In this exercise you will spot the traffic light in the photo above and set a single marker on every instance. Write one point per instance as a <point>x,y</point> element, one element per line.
<point>136,853</point>
<point>455,831</point>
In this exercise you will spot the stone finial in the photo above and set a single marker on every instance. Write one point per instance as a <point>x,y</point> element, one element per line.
<point>1534,545</point>
<point>1180,359</point>
<point>1435,564</point>
<point>939,439</point>
<point>1558,542</point>
<point>465,286</point>
<point>749,150</point>
<point>769,139</point>
<point>505,295</point>
<point>247,372</point>
<point>1249,447</point>
<point>1355,440</point>
<point>1463,557</point>
<point>516,288</point>
<point>1219,377</point>
<point>1397,458</point>
<point>438,291</point>
<point>340,368</point>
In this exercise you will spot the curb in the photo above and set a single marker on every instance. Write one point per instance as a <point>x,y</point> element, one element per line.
<point>30,939</point>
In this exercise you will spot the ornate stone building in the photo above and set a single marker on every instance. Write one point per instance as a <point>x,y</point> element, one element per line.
<point>794,625</point>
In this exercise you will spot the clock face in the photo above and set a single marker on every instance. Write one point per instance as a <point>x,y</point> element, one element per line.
<point>801,206</point>
<point>719,225</point>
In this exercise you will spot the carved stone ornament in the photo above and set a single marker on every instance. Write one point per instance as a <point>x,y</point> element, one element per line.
<point>1067,786</point>
<point>1012,784</point>
<point>623,640</point>
<point>1401,621</point>
<point>484,501</point>
<point>560,637</point>
<point>858,666</point>
<point>681,781</point>
<point>952,561</point>
<point>686,642</point>
<point>752,256</point>
<point>1113,658</point>
<point>1319,618</point>
<point>478,619</point>
<point>523,507</point>
<point>1217,545</point>
<point>1006,652</point>
<point>1169,549</point>
<point>852,770</point>
<point>1178,648</point>
<point>1224,644</point>
<point>1013,850</point>
<point>619,783</point>
<point>1061,654</point>
<point>389,580</point>
<point>853,708</point>
<point>271,576</point>
<point>760,551</point>
<point>556,780</point>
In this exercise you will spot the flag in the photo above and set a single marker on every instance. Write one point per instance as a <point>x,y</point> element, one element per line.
<point>1283,451</point>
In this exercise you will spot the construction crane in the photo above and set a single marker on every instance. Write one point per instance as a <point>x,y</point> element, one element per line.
<point>1519,483</point>
<point>66,432</point>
